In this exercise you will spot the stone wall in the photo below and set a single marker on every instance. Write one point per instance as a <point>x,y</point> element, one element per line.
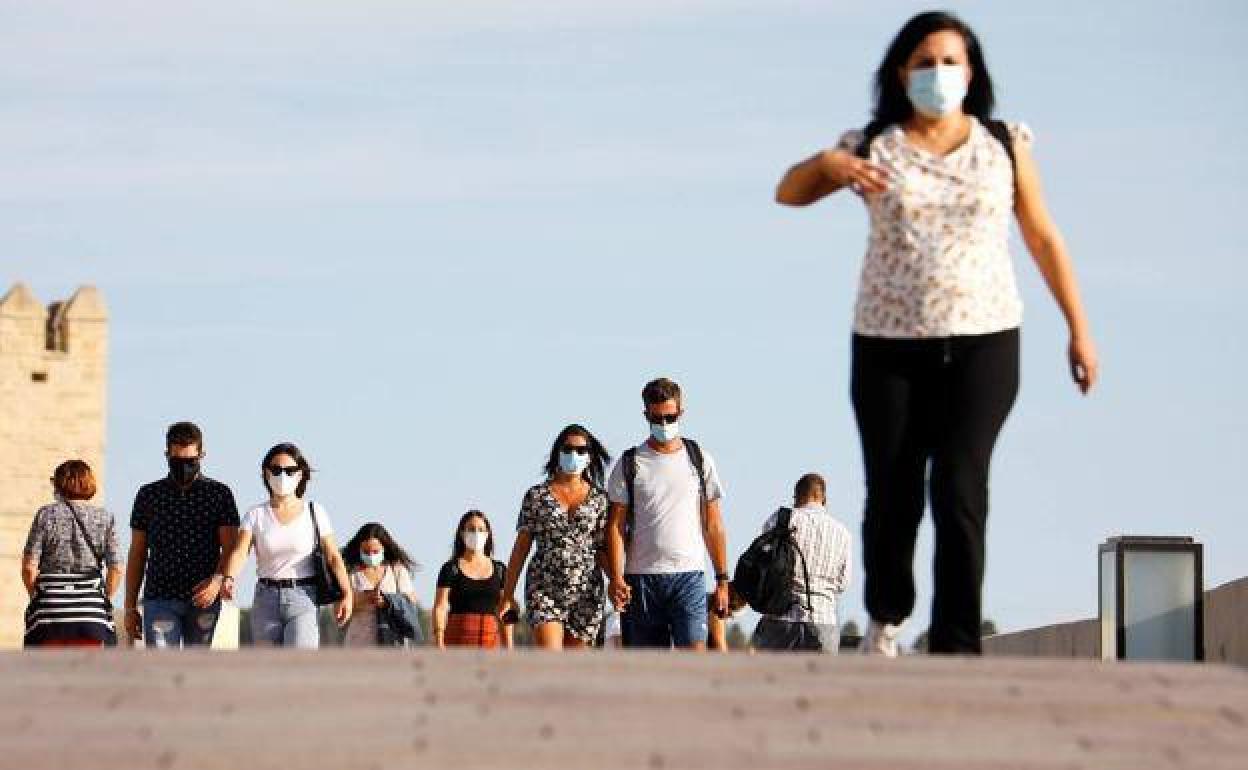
<point>1226,632</point>
<point>53,376</point>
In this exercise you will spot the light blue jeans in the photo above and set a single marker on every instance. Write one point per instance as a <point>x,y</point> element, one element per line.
<point>176,623</point>
<point>285,617</point>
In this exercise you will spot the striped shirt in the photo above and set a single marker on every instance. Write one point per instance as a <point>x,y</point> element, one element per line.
<point>826,544</point>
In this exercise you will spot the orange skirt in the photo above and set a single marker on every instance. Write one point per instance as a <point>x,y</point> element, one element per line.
<point>471,630</point>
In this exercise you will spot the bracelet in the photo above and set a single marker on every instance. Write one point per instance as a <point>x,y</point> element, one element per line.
<point>722,577</point>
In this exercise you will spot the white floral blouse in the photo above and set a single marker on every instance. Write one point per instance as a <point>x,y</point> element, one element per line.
<point>938,261</point>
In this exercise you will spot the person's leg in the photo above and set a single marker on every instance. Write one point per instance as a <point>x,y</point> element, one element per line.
<point>890,399</point>
<point>199,624</point>
<point>301,626</point>
<point>644,624</point>
<point>685,604</point>
<point>265,617</point>
<point>162,623</point>
<point>982,385</point>
<point>828,636</point>
<point>548,635</point>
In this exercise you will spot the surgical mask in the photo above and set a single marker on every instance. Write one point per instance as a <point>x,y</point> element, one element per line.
<point>372,559</point>
<point>664,433</point>
<point>937,91</point>
<point>572,462</point>
<point>183,470</point>
<point>475,540</point>
<point>283,484</point>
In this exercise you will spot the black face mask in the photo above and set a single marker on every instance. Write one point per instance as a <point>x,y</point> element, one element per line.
<point>183,470</point>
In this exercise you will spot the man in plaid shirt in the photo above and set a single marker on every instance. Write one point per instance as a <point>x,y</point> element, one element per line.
<point>826,544</point>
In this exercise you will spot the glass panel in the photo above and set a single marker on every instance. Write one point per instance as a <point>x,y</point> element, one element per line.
<point>1160,605</point>
<point>1109,607</point>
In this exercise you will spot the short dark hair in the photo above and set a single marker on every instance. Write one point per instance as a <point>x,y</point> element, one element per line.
<point>287,449</point>
<point>599,458</point>
<point>458,548</point>
<point>73,480</point>
<point>660,390</point>
<point>373,530</point>
<point>892,105</point>
<point>184,434</point>
<point>809,487</point>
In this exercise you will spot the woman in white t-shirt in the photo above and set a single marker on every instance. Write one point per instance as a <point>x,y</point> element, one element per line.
<point>284,612</point>
<point>379,569</point>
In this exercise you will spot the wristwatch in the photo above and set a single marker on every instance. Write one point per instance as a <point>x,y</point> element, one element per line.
<point>722,577</point>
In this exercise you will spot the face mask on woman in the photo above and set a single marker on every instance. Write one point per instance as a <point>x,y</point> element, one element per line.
<point>573,462</point>
<point>937,91</point>
<point>475,540</point>
<point>372,559</point>
<point>283,484</point>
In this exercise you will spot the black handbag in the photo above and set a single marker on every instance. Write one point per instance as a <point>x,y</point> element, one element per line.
<point>327,589</point>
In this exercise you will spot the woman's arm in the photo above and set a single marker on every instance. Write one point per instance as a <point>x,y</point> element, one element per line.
<point>1048,249</point>
<point>112,580</point>
<point>441,611</point>
<point>238,554</point>
<point>519,555</point>
<point>30,572</point>
<point>824,173</point>
<point>344,606</point>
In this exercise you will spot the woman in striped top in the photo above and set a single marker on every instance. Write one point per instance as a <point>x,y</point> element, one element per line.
<point>71,566</point>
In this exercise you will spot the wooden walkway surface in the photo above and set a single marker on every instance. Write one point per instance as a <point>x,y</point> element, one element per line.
<point>343,709</point>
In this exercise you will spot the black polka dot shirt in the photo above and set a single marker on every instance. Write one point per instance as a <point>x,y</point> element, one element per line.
<point>183,545</point>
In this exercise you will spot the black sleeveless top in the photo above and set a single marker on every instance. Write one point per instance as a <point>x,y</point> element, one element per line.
<point>470,596</point>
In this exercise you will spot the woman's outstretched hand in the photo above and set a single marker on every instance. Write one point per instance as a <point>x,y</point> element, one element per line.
<point>1084,365</point>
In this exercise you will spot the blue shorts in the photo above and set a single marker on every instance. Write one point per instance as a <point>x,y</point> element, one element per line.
<point>665,610</point>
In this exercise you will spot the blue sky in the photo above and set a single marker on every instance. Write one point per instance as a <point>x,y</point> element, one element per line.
<point>418,239</point>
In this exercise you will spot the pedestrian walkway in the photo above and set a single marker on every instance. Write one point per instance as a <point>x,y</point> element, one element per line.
<point>344,709</point>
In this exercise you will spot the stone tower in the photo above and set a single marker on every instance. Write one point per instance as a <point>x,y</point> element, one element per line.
<point>53,367</point>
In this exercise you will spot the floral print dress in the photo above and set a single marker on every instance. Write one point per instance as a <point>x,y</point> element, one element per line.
<point>563,583</point>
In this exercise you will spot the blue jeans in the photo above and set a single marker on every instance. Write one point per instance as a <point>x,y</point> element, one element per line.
<point>665,610</point>
<point>285,617</point>
<point>177,623</point>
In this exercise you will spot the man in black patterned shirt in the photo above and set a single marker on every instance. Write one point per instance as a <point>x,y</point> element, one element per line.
<point>181,528</point>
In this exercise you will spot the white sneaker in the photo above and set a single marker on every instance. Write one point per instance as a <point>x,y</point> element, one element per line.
<point>880,639</point>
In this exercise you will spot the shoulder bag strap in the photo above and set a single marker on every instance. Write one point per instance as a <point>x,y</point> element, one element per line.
<point>99,555</point>
<point>784,521</point>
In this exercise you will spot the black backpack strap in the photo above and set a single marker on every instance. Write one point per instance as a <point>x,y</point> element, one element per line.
<point>629,465</point>
<point>1001,132</point>
<point>784,519</point>
<point>698,461</point>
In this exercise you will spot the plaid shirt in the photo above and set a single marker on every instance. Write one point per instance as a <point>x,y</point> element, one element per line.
<point>825,542</point>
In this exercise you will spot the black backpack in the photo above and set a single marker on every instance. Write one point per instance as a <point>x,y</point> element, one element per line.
<point>629,459</point>
<point>999,130</point>
<point>764,575</point>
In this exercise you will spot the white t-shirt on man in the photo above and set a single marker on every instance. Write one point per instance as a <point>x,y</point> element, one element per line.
<point>284,551</point>
<point>667,515</point>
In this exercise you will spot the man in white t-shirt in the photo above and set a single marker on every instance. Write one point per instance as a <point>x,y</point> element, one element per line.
<point>665,516</point>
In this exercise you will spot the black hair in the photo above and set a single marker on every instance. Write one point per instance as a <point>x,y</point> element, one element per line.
<point>394,553</point>
<point>296,455</point>
<point>892,105</point>
<point>458,547</point>
<point>599,458</point>
<point>184,434</point>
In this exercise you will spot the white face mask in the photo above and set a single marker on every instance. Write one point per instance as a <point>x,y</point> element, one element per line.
<point>475,540</point>
<point>283,485</point>
<point>572,462</point>
<point>665,433</point>
<point>937,91</point>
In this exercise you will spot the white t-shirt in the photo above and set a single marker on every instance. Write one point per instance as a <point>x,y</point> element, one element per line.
<point>284,551</point>
<point>667,516</point>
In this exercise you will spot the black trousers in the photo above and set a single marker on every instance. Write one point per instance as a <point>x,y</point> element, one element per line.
<point>937,403</point>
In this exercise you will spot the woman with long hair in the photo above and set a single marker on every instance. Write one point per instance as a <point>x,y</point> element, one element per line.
<point>566,516</point>
<point>935,366</point>
<point>381,573</point>
<point>465,606</point>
